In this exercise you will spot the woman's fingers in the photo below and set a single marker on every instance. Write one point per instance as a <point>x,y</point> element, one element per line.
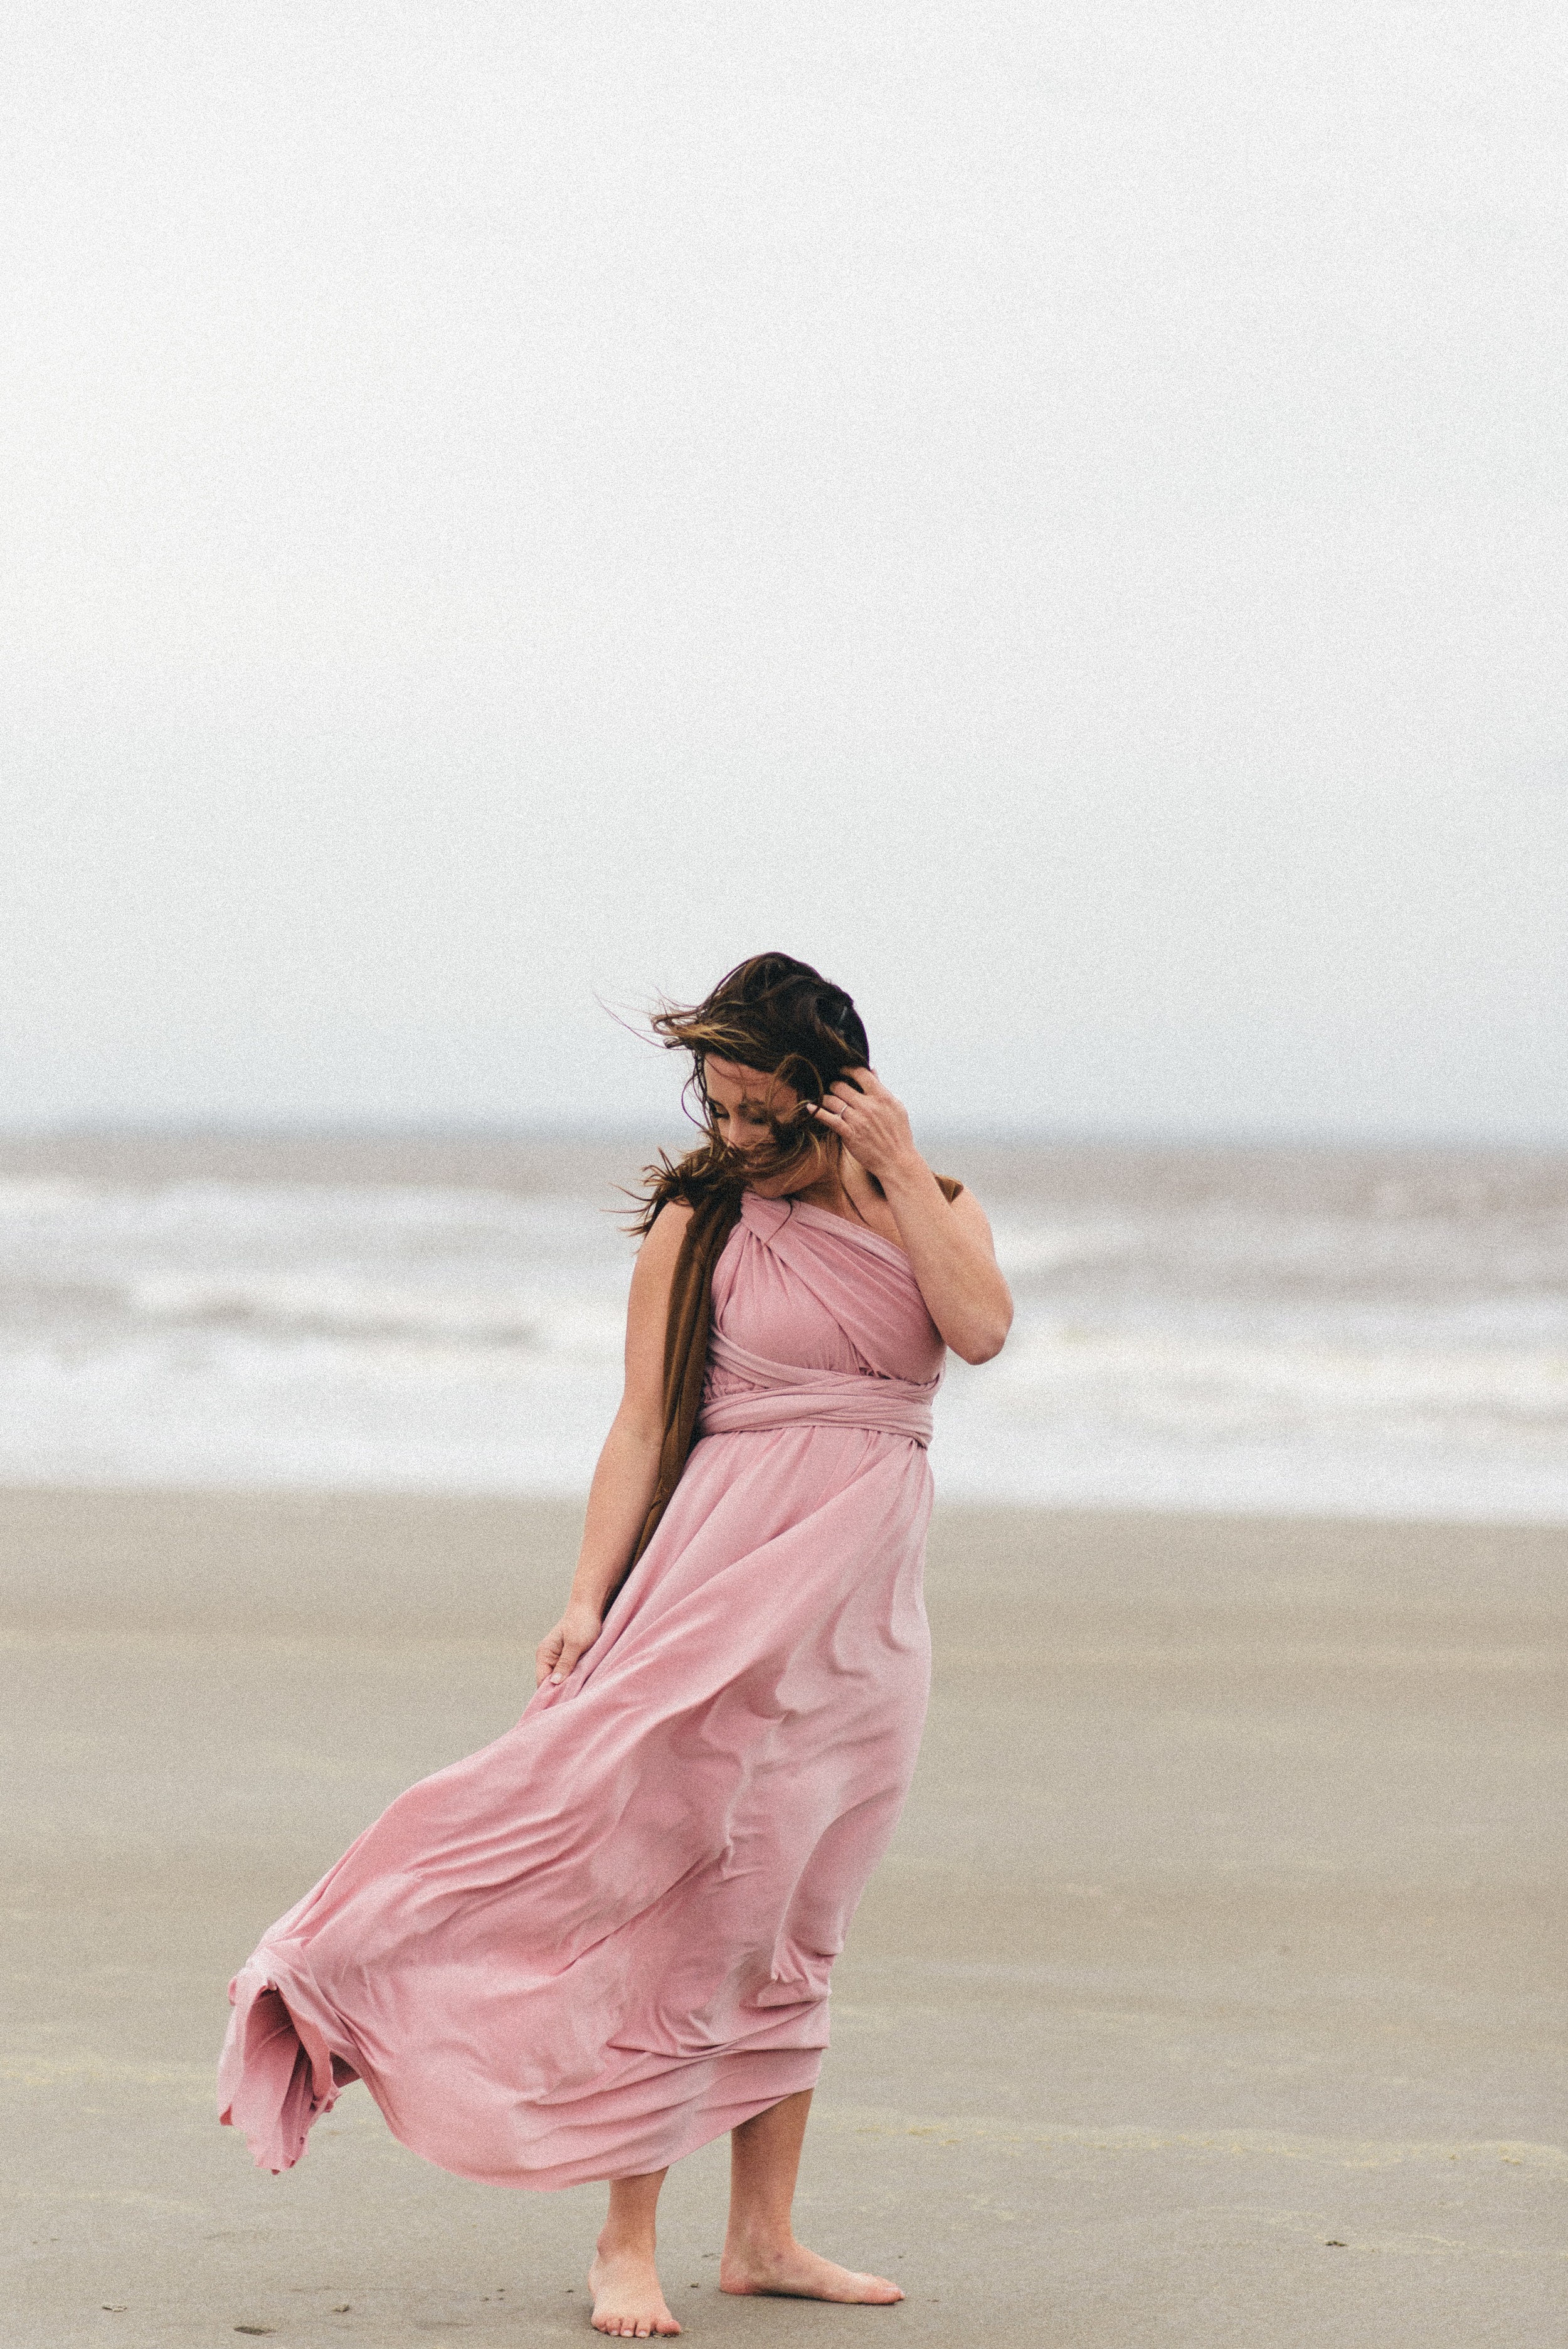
<point>566,1661</point>
<point>866,1092</point>
<point>859,1108</point>
<point>556,1656</point>
<point>572,1636</point>
<point>865,1116</point>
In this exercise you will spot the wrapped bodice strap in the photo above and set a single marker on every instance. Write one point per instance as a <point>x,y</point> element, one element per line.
<point>686,1340</point>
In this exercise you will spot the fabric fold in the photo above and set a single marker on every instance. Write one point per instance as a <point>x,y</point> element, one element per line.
<point>609,1936</point>
<point>789,1394</point>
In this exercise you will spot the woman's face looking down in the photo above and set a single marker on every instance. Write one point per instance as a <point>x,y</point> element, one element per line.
<point>747,1104</point>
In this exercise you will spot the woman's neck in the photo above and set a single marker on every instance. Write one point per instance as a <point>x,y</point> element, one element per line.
<point>843,1188</point>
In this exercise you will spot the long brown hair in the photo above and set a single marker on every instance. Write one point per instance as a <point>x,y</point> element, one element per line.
<point>772,1013</point>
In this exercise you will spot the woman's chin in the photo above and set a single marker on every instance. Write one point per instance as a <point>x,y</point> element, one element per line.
<point>782,1186</point>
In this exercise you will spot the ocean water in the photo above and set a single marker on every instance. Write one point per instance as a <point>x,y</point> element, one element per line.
<point>1363,1333</point>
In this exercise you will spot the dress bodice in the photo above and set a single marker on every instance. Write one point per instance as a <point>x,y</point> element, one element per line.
<point>797,1284</point>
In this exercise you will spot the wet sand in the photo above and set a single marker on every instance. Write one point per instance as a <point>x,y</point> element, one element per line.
<point>1211,1994</point>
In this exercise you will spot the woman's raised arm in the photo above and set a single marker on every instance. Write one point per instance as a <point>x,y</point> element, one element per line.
<point>623,1489</point>
<point>950,1249</point>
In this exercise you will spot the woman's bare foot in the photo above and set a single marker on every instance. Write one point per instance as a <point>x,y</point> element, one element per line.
<point>627,2301</point>
<point>790,2268</point>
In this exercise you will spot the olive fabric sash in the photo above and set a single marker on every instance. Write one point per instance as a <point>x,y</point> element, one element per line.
<point>687,1336</point>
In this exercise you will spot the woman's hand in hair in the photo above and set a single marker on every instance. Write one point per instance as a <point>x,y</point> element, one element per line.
<point>948,1243</point>
<point>872,1126</point>
<point>558,1651</point>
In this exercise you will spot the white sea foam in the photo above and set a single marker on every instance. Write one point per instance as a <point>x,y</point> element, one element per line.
<point>1198,1330</point>
<point>34,1196</point>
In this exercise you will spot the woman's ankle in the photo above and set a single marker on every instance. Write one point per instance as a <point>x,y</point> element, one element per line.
<point>619,2241</point>
<point>749,2234</point>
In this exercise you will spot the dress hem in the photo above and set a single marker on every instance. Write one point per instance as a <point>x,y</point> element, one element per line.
<point>278,2079</point>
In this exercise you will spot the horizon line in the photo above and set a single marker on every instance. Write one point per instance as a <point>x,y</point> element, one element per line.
<point>988,1133</point>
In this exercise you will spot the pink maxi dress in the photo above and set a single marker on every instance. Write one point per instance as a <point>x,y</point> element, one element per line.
<point>607,1938</point>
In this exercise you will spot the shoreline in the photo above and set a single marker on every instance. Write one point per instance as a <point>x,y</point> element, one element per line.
<point>1200,1329</point>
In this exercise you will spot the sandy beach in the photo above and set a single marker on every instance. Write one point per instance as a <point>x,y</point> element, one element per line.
<point>1211,1993</point>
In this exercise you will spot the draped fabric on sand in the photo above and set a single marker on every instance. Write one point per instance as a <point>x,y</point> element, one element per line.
<point>607,1938</point>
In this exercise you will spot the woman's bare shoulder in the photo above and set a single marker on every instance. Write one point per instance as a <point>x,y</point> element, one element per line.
<point>657,1255</point>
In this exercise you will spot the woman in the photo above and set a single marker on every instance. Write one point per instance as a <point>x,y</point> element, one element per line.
<point>607,1938</point>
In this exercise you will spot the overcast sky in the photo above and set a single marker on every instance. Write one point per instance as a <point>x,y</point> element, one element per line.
<point>1056,513</point>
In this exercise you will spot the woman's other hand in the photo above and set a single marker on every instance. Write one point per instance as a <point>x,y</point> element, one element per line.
<point>559,1649</point>
<point>871,1123</point>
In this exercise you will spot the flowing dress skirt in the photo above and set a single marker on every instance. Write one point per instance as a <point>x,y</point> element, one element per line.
<point>607,1938</point>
